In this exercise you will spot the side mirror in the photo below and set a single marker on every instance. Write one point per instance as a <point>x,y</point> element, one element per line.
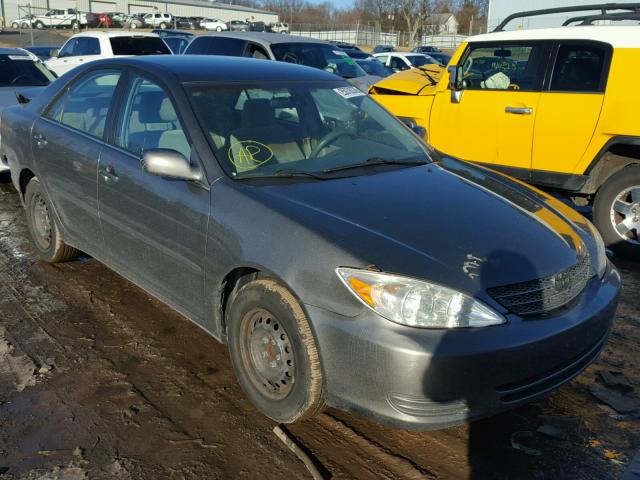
<point>164,162</point>
<point>55,53</point>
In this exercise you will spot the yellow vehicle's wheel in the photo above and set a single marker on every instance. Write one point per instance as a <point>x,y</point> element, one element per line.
<point>616,212</point>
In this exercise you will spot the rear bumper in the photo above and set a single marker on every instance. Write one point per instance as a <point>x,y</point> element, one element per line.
<point>422,379</point>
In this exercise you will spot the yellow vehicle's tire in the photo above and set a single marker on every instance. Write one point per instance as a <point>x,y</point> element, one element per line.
<point>616,212</point>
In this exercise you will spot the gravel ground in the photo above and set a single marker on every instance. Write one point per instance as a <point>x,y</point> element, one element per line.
<point>99,380</point>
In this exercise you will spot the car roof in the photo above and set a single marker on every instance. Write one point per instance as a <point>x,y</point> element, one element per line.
<point>213,68</point>
<point>266,38</point>
<point>96,34</point>
<point>13,51</point>
<point>619,36</point>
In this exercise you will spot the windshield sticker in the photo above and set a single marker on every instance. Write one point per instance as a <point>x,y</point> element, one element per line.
<point>248,154</point>
<point>340,52</point>
<point>19,57</point>
<point>348,92</point>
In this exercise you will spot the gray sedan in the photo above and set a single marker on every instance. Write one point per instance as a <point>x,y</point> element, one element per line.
<point>344,262</point>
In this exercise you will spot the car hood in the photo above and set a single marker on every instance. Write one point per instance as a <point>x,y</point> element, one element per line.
<point>415,81</point>
<point>8,94</point>
<point>449,221</point>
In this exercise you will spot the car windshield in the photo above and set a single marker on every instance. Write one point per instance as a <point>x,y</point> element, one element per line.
<point>374,67</point>
<point>21,70</point>
<point>300,129</point>
<point>138,46</point>
<point>420,60</point>
<point>318,55</point>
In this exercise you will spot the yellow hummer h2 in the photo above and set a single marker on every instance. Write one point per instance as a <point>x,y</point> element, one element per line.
<point>558,108</point>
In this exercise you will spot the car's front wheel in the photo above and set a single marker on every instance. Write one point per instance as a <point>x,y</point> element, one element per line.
<point>163,26</point>
<point>616,212</point>
<point>39,25</point>
<point>273,352</point>
<point>44,230</point>
<point>15,25</point>
<point>218,29</point>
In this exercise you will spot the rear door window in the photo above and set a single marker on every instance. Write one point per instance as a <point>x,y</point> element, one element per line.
<point>230,47</point>
<point>580,68</point>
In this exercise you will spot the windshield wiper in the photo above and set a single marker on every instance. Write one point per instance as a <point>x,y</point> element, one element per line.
<point>286,173</point>
<point>376,161</point>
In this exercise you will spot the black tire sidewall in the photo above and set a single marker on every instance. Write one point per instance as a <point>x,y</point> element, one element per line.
<point>602,210</point>
<point>299,400</point>
<point>34,187</point>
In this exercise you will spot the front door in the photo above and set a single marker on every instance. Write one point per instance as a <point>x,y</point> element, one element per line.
<point>66,145</point>
<point>492,119</point>
<point>154,228</point>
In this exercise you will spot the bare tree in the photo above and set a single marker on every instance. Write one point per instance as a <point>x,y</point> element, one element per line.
<point>415,14</point>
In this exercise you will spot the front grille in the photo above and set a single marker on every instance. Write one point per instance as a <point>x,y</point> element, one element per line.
<point>545,294</point>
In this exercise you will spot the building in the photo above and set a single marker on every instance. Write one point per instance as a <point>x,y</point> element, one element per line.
<point>13,9</point>
<point>443,23</point>
<point>500,9</point>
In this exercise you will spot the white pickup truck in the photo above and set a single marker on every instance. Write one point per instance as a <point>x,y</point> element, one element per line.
<point>60,18</point>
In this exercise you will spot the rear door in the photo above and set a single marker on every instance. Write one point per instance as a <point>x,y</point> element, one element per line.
<point>492,120</point>
<point>66,146</point>
<point>570,106</point>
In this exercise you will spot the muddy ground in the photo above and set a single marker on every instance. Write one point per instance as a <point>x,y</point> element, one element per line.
<point>98,380</point>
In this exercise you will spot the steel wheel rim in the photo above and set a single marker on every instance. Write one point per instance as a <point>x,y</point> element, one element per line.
<point>267,354</point>
<point>625,215</point>
<point>41,222</point>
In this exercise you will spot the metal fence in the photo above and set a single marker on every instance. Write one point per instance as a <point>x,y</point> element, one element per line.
<point>361,34</point>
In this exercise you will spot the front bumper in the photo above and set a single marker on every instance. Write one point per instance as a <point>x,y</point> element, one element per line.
<point>421,379</point>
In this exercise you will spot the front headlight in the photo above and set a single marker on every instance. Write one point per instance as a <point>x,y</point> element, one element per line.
<point>417,303</point>
<point>600,260</point>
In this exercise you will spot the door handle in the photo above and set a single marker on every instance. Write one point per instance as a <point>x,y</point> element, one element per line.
<point>519,110</point>
<point>40,139</point>
<point>108,174</point>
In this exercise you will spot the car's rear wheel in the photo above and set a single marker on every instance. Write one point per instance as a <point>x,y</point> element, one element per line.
<point>74,24</point>
<point>39,25</point>
<point>44,230</point>
<point>163,26</point>
<point>26,25</point>
<point>133,26</point>
<point>273,352</point>
<point>616,212</point>
<point>218,29</point>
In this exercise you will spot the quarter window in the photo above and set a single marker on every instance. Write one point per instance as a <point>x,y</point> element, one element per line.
<point>150,121</point>
<point>578,68</point>
<point>85,105</point>
<point>505,67</point>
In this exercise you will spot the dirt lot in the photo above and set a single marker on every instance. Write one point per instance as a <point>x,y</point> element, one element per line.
<point>98,380</point>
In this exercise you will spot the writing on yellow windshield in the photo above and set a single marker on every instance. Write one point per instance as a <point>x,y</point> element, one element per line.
<point>249,154</point>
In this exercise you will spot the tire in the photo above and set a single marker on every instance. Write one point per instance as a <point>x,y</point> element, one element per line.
<point>620,231</point>
<point>25,26</point>
<point>273,352</point>
<point>74,24</point>
<point>15,25</point>
<point>218,29</point>
<point>132,26</point>
<point>39,25</point>
<point>163,26</point>
<point>51,248</point>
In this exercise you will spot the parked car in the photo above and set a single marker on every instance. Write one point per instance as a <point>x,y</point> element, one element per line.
<point>60,18</point>
<point>426,49</point>
<point>217,25</point>
<point>259,27</point>
<point>100,20</point>
<point>288,200</point>
<point>373,67</point>
<point>127,21</point>
<point>358,54</point>
<point>178,44</point>
<point>572,134</point>
<point>279,27</point>
<point>196,22</point>
<point>43,52</point>
<point>292,49</point>
<point>20,71</point>
<point>160,20</point>
<point>184,23</point>
<point>383,49</point>
<point>238,26</point>
<point>23,22</point>
<point>172,33</point>
<point>348,47</point>
<point>91,46</point>
<point>399,61</point>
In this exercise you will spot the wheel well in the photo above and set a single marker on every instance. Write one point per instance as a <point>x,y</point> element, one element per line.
<point>230,285</point>
<point>619,156</point>
<point>25,177</point>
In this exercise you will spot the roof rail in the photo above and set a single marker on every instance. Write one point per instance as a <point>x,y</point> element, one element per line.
<point>614,17</point>
<point>603,7</point>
